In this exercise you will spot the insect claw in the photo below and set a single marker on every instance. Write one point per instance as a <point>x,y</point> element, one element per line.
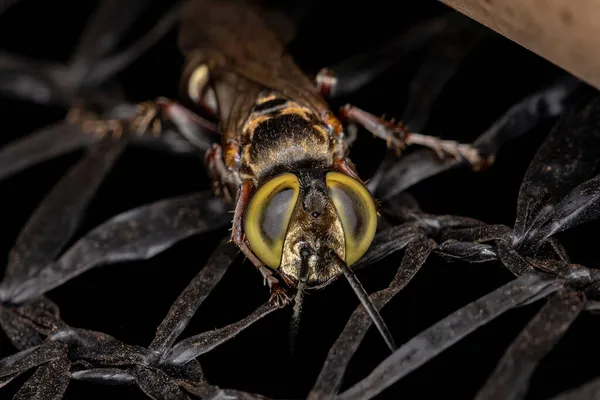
<point>279,297</point>
<point>156,128</point>
<point>398,151</point>
<point>118,132</point>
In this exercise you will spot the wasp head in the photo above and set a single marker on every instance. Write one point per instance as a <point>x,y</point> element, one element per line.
<point>304,224</point>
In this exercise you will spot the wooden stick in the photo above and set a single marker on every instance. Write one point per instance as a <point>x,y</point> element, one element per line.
<point>565,32</point>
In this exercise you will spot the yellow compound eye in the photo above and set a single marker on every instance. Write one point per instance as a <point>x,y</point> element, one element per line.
<point>356,209</point>
<point>268,215</point>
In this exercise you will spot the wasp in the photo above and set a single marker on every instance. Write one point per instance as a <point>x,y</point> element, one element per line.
<point>302,215</point>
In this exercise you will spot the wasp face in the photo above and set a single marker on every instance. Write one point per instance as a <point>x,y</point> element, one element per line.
<point>314,237</point>
<point>303,224</point>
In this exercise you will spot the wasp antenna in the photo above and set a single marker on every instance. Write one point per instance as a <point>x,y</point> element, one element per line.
<point>295,322</point>
<point>369,306</point>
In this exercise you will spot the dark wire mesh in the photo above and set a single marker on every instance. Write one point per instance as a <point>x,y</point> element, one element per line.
<point>179,315</point>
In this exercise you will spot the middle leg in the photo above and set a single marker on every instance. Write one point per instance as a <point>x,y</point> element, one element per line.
<point>397,136</point>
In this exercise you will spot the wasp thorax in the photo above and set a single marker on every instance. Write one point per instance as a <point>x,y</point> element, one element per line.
<point>304,223</point>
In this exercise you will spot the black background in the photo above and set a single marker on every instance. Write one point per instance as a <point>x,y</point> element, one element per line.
<point>129,300</point>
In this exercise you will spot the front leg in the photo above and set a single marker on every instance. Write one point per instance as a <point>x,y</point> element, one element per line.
<point>397,136</point>
<point>279,295</point>
<point>225,180</point>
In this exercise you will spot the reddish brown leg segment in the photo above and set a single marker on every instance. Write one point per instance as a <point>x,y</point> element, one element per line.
<point>396,135</point>
<point>326,82</point>
<point>148,118</point>
<point>188,122</point>
<point>279,295</point>
<point>225,181</point>
<point>243,198</point>
<point>344,166</point>
<point>341,162</point>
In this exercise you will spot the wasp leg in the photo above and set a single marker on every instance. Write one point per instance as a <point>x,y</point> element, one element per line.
<point>149,118</point>
<point>396,135</point>
<point>358,71</point>
<point>218,172</point>
<point>326,82</point>
<point>340,145</point>
<point>279,295</point>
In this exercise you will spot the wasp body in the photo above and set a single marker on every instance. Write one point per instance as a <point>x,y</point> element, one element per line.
<point>282,158</point>
<point>302,215</point>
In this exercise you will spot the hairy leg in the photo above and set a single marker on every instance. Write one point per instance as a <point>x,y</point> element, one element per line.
<point>279,295</point>
<point>398,137</point>
<point>149,118</point>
